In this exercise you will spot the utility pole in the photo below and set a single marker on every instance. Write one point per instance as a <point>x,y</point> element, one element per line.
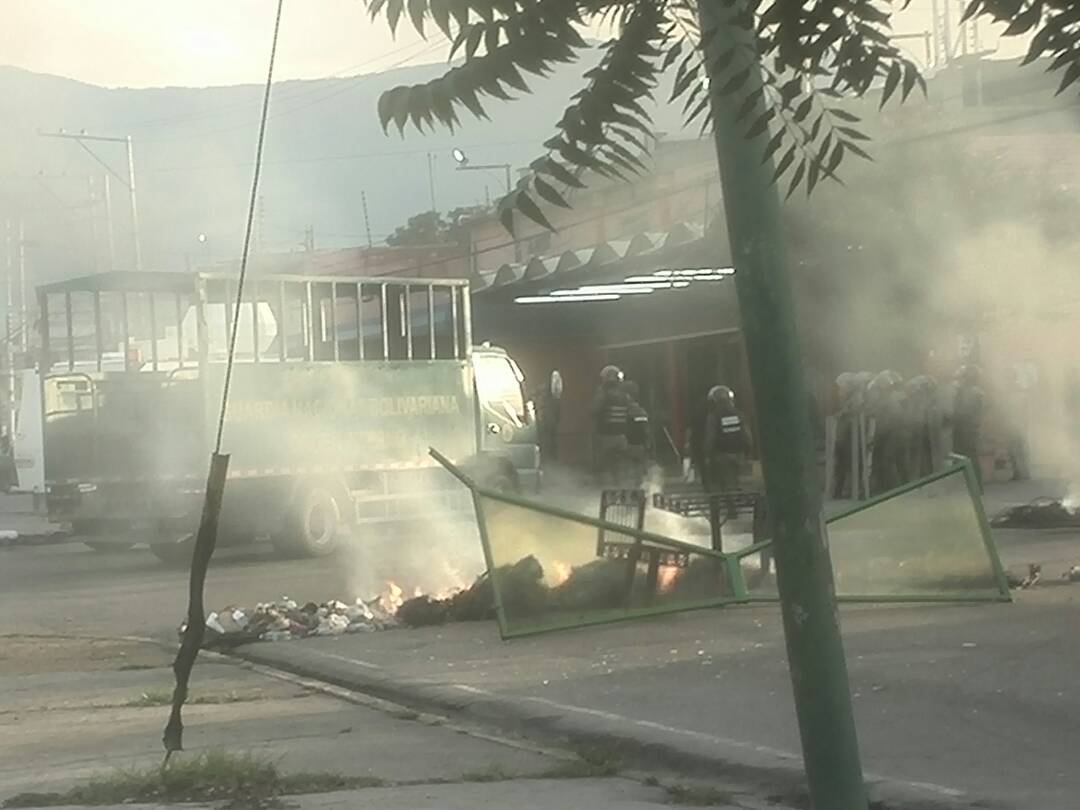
<point>93,220</point>
<point>109,223</point>
<point>134,204</point>
<point>82,138</point>
<point>431,179</point>
<point>367,222</point>
<point>260,214</point>
<point>24,325</point>
<point>9,344</point>
<point>804,571</point>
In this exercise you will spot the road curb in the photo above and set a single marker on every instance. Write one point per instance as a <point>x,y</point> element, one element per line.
<point>775,776</point>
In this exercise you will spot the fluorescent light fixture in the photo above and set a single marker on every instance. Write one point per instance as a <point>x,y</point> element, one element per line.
<point>605,289</point>
<point>550,299</point>
<point>695,271</point>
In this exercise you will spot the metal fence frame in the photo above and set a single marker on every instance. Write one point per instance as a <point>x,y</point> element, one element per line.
<point>732,562</point>
<point>197,288</point>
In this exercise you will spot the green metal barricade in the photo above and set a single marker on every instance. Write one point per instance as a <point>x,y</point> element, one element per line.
<point>928,541</point>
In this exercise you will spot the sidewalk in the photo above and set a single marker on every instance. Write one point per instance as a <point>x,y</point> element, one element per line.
<point>20,523</point>
<point>76,708</point>
<point>534,794</point>
<point>956,705</point>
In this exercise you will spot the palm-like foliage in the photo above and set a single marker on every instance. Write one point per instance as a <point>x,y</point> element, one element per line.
<point>809,55</point>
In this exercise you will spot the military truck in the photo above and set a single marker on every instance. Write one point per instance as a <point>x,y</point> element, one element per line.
<point>340,386</point>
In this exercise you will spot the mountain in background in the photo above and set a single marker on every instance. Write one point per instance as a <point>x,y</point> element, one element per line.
<point>193,156</point>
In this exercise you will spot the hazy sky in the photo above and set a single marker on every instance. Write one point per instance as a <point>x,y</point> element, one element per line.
<point>147,43</point>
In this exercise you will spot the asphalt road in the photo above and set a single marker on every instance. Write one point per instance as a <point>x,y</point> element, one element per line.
<point>980,698</point>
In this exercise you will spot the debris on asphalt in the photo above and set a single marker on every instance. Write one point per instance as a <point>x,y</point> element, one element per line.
<point>286,620</point>
<point>1033,577</point>
<point>13,538</point>
<point>1041,513</point>
<point>1073,574</point>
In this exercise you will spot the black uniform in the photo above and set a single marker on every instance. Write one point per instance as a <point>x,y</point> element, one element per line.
<point>888,469</point>
<point>726,443</point>
<point>547,419</point>
<point>967,424</point>
<point>611,416</point>
<point>638,439</point>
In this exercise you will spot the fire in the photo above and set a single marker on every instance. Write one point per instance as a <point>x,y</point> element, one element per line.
<point>560,572</point>
<point>393,598</point>
<point>446,593</point>
<point>666,577</point>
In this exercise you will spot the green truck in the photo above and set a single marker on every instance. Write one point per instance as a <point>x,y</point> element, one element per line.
<point>340,386</point>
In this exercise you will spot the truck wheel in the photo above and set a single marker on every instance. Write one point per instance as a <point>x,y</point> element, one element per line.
<point>177,552</point>
<point>94,532</point>
<point>313,525</point>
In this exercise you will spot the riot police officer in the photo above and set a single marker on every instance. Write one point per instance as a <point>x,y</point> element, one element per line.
<point>727,440</point>
<point>638,435</point>
<point>967,416</point>
<point>848,401</point>
<point>611,416</point>
<point>917,427</point>
<point>888,469</point>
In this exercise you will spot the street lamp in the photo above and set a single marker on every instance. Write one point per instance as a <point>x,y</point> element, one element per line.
<point>462,161</point>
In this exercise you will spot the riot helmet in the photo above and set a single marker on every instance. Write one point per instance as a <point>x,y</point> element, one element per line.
<point>611,375</point>
<point>721,395</point>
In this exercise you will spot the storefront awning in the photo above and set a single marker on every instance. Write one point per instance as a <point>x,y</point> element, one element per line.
<point>648,261</point>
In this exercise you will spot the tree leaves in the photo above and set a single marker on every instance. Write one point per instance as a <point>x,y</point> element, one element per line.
<point>811,56</point>
<point>892,81</point>
<point>548,192</point>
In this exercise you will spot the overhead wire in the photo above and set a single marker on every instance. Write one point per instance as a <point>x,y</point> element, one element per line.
<point>282,94</point>
<point>344,86</point>
<point>897,141</point>
<point>206,537</point>
<point>248,230</point>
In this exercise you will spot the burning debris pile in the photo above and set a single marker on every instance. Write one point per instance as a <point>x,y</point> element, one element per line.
<point>524,588</point>
<point>597,585</point>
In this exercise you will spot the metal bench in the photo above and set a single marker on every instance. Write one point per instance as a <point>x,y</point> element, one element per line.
<point>626,507</point>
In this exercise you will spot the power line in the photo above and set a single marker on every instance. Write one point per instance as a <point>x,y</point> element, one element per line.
<point>329,158</point>
<point>672,192</point>
<point>345,85</point>
<point>252,205</point>
<point>561,228</point>
<point>297,92</point>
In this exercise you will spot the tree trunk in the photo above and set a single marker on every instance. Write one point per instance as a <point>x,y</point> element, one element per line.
<point>804,571</point>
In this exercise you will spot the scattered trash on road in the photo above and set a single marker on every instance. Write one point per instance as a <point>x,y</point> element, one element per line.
<point>1041,513</point>
<point>285,620</point>
<point>1033,577</point>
